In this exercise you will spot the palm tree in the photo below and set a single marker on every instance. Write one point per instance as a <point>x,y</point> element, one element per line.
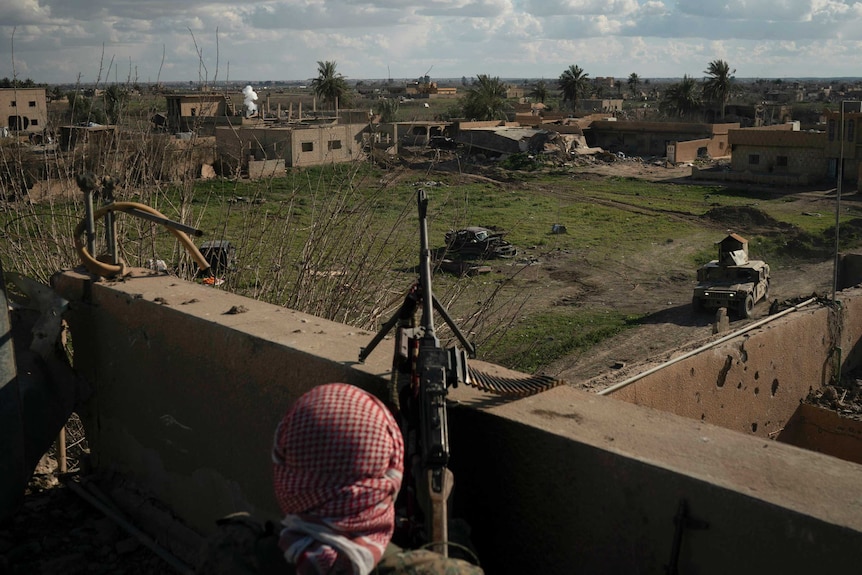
<point>634,82</point>
<point>719,85</point>
<point>681,99</point>
<point>388,110</point>
<point>539,91</point>
<point>329,85</point>
<point>574,84</point>
<point>486,99</point>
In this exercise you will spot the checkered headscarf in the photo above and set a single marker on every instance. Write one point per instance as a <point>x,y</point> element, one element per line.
<point>338,461</point>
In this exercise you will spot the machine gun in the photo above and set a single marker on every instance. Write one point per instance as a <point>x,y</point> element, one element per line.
<point>422,372</point>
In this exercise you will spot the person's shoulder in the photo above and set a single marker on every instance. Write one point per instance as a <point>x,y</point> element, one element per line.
<point>242,545</point>
<point>397,561</point>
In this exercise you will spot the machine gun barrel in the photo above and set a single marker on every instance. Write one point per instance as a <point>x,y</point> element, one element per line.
<point>427,321</point>
<point>432,370</point>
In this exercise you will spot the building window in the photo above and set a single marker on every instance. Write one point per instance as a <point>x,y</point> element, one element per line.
<point>14,104</point>
<point>32,103</point>
<point>851,129</point>
<point>831,130</point>
<point>781,161</point>
<point>753,159</point>
<point>308,146</point>
<point>34,122</point>
<point>333,145</point>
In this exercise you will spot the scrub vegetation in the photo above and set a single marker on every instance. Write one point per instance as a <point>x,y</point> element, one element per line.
<point>341,242</point>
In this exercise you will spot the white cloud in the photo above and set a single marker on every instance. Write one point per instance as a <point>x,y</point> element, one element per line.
<point>613,8</point>
<point>22,12</point>
<point>55,40</point>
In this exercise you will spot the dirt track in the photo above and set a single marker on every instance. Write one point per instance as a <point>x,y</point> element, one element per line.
<point>658,284</point>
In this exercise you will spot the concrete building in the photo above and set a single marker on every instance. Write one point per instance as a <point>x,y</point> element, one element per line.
<point>72,136</point>
<point>652,138</point>
<point>198,112</point>
<point>515,92</point>
<point>781,151</point>
<point>23,109</point>
<point>784,154</point>
<point>843,141</point>
<point>607,105</point>
<point>241,147</point>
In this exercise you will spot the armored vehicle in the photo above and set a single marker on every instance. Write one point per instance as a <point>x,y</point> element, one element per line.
<point>732,281</point>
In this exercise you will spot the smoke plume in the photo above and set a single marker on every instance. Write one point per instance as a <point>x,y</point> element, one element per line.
<point>250,97</point>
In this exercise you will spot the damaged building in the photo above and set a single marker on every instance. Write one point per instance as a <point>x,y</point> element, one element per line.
<point>260,149</point>
<point>507,140</point>
<point>198,112</point>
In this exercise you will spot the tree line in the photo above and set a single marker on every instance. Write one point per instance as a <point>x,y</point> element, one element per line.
<point>485,98</point>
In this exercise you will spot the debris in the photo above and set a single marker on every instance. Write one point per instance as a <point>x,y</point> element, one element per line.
<point>478,242</point>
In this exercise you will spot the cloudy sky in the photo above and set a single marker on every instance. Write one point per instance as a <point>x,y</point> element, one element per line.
<point>58,41</point>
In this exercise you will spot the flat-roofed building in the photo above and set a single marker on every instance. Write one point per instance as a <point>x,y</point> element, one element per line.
<point>295,145</point>
<point>23,109</point>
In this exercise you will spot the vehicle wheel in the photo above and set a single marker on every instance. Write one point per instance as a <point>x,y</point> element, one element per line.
<point>766,292</point>
<point>748,306</point>
<point>696,305</point>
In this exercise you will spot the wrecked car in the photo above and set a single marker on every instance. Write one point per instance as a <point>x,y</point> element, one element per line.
<point>477,242</point>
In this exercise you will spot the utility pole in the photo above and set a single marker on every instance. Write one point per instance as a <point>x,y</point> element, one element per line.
<point>854,106</point>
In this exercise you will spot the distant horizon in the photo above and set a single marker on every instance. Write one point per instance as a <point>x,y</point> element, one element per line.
<point>456,79</point>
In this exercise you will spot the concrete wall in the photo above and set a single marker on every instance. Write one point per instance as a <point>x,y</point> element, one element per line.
<point>824,431</point>
<point>187,395</point>
<point>190,381</point>
<point>748,177</point>
<point>265,169</point>
<point>688,151</point>
<point>753,383</point>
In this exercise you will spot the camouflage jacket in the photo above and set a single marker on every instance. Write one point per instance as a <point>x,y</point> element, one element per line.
<point>242,546</point>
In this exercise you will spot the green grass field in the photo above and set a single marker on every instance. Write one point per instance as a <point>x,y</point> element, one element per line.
<point>342,242</point>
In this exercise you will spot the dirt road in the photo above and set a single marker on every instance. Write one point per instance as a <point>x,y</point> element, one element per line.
<point>658,284</point>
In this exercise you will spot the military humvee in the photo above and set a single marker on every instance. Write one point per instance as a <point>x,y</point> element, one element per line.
<point>732,281</point>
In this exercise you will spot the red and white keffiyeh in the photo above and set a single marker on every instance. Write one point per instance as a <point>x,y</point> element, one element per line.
<point>338,461</point>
